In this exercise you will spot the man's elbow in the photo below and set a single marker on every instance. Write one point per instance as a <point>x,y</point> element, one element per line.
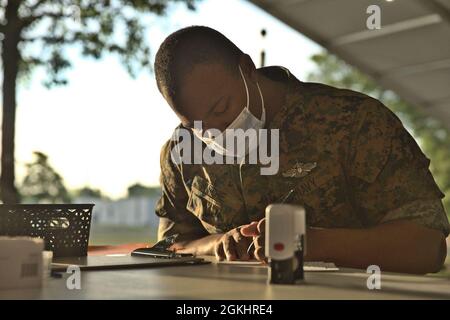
<point>437,261</point>
<point>431,251</point>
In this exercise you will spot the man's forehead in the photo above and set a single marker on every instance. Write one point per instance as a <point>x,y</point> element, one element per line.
<point>200,91</point>
<point>205,75</point>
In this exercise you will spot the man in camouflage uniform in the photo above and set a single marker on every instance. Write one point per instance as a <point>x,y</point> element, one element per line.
<point>365,184</point>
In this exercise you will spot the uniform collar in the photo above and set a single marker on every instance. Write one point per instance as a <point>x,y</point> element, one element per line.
<point>293,100</point>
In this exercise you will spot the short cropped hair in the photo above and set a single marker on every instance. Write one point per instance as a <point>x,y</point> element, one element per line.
<point>182,50</point>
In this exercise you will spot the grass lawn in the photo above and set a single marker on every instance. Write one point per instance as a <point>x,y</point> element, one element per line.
<point>115,235</point>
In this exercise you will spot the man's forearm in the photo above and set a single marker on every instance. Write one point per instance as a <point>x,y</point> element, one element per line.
<point>397,246</point>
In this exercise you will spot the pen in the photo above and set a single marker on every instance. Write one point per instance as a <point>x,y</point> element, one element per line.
<point>288,197</point>
<point>285,199</point>
<point>55,274</point>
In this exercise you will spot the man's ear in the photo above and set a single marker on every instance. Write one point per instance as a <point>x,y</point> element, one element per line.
<point>248,68</point>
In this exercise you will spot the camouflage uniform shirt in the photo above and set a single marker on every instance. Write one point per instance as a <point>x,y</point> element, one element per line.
<point>348,158</point>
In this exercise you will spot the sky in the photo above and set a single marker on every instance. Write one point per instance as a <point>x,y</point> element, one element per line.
<point>105,129</point>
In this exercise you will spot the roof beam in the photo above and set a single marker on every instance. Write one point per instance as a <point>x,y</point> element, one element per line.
<point>438,8</point>
<point>294,2</point>
<point>417,68</point>
<point>397,27</point>
<point>270,5</point>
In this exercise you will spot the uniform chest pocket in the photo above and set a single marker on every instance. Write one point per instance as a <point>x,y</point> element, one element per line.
<point>216,209</point>
<point>326,200</point>
<point>322,191</point>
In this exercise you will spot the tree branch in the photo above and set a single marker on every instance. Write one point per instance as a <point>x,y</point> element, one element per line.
<point>50,39</point>
<point>29,20</point>
<point>37,5</point>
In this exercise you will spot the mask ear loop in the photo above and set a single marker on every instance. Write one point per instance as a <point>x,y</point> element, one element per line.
<point>246,88</point>
<point>263,110</point>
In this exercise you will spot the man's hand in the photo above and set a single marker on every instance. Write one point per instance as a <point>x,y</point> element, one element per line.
<point>232,246</point>
<point>256,230</point>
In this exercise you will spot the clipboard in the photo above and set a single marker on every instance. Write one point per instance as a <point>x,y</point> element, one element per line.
<point>122,261</point>
<point>156,256</point>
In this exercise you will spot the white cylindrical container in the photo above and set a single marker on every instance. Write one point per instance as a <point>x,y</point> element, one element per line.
<point>285,247</point>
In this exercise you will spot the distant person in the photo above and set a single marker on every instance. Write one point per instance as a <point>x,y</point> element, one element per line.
<point>364,182</point>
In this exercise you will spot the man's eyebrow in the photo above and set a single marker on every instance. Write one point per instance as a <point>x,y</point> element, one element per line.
<point>190,125</point>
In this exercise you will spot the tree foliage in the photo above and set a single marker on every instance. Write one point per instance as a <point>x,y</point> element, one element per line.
<point>42,184</point>
<point>96,26</point>
<point>37,33</point>
<point>139,190</point>
<point>89,193</point>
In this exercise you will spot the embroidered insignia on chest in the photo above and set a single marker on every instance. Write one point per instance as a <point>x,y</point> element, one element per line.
<point>299,170</point>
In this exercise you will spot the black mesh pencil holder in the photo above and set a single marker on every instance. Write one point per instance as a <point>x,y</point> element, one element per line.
<point>64,227</point>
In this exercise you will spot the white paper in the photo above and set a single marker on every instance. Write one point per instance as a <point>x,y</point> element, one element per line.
<point>308,266</point>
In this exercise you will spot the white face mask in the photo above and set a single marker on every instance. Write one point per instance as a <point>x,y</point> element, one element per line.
<point>245,120</point>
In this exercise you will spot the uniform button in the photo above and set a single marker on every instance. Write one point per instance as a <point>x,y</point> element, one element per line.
<point>278,246</point>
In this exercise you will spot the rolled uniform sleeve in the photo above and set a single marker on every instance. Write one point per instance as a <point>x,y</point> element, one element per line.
<point>389,174</point>
<point>171,207</point>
